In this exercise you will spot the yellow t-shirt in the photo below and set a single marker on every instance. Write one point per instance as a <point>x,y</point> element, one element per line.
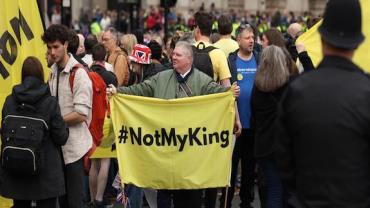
<point>219,62</point>
<point>227,45</point>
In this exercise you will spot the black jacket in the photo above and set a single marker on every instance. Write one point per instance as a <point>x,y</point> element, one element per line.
<point>324,136</point>
<point>50,182</point>
<point>232,62</point>
<point>264,110</point>
<point>108,76</point>
<point>306,61</point>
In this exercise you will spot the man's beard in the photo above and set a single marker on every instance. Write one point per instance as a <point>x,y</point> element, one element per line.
<point>247,50</point>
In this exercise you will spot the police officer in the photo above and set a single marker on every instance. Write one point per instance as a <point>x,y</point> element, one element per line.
<point>324,119</point>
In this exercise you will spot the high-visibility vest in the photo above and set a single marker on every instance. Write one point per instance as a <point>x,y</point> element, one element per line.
<point>215,25</point>
<point>263,27</point>
<point>235,27</point>
<point>95,28</point>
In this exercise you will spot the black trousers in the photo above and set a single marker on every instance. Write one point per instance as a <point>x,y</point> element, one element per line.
<point>244,152</point>
<point>74,179</point>
<point>181,198</point>
<point>45,203</point>
<point>210,197</point>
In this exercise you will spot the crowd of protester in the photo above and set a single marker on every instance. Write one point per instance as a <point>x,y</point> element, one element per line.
<point>257,51</point>
<point>152,19</point>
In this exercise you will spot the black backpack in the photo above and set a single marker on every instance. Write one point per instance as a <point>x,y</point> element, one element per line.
<point>202,60</point>
<point>22,136</point>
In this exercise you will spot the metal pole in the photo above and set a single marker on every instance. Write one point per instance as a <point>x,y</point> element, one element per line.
<point>166,11</point>
<point>62,13</point>
<point>41,7</point>
<point>226,193</point>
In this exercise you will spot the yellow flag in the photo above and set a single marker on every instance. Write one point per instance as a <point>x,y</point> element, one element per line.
<point>312,42</point>
<point>174,144</point>
<point>20,36</point>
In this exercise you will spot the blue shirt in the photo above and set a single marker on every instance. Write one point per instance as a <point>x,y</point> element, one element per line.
<point>246,70</point>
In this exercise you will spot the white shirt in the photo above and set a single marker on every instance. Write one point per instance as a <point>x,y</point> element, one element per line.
<point>56,19</point>
<point>105,23</point>
<point>89,61</point>
<point>108,66</point>
<point>186,73</point>
<point>80,139</point>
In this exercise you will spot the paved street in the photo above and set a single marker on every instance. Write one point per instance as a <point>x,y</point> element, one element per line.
<point>236,202</point>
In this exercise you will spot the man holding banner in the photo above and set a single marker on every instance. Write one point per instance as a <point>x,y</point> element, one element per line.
<point>184,81</point>
<point>324,118</point>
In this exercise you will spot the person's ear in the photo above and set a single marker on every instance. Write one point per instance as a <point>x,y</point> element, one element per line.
<point>66,45</point>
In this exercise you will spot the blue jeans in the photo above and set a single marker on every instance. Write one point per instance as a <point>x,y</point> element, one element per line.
<point>274,187</point>
<point>135,196</point>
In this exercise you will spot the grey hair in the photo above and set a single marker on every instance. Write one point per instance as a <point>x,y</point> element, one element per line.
<point>114,32</point>
<point>272,71</point>
<point>187,48</point>
<point>242,28</point>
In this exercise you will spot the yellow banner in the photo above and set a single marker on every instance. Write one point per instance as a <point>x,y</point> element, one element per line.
<point>5,203</point>
<point>20,36</point>
<point>174,144</point>
<point>105,148</point>
<point>312,41</point>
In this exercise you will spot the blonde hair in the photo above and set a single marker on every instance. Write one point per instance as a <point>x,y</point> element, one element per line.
<point>272,71</point>
<point>128,42</point>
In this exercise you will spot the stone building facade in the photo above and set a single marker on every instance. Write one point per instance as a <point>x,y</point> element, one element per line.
<point>297,6</point>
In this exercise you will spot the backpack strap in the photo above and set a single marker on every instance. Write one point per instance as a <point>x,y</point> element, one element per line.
<point>98,68</point>
<point>115,60</point>
<point>73,74</point>
<point>97,63</point>
<point>209,49</point>
<point>72,79</point>
<point>202,46</point>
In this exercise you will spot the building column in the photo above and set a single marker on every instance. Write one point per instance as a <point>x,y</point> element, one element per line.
<point>317,6</point>
<point>86,5</point>
<point>297,5</point>
<point>254,5</point>
<point>146,3</point>
<point>224,4</point>
<point>76,9</point>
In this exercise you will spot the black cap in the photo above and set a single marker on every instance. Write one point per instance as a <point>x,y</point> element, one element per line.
<point>341,26</point>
